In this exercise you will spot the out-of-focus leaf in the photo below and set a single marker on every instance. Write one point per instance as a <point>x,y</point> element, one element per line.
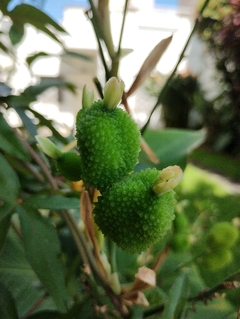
<point>18,276</point>
<point>42,248</point>
<point>18,100</point>
<point>48,123</point>
<point>48,314</point>
<point>16,33</point>
<point>35,90</point>
<point>25,13</point>
<point>76,55</point>
<point>9,188</point>
<point>7,304</point>
<point>4,227</point>
<point>9,142</point>
<point>4,5</point>
<point>34,57</point>
<point>177,298</point>
<point>52,202</point>
<point>5,90</point>
<point>148,65</point>
<point>171,146</point>
<point>27,122</point>
<point>5,49</point>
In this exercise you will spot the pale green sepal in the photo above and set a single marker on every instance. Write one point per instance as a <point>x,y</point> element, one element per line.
<point>87,97</point>
<point>113,92</point>
<point>167,180</point>
<point>47,147</point>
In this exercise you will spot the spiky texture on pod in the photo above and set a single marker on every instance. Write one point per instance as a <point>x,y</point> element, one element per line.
<point>132,215</point>
<point>109,143</point>
<point>69,165</point>
<point>222,235</point>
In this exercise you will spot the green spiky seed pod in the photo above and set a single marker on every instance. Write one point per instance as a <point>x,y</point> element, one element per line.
<point>109,143</point>
<point>217,260</point>
<point>132,215</point>
<point>69,165</point>
<point>179,243</point>
<point>221,236</point>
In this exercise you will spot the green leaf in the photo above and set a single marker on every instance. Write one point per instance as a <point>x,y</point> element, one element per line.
<point>7,304</point>
<point>35,90</point>
<point>25,13</point>
<point>34,57</point>
<point>16,33</point>
<point>48,123</point>
<point>177,298</point>
<point>42,248</point>
<point>10,143</point>
<point>52,202</point>
<point>27,122</point>
<point>3,6</point>
<point>171,146</point>
<point>48,314</point>
<point>9,188</point>
<point>4,227</point>
<point>5,49</point>
<point>18,276</point>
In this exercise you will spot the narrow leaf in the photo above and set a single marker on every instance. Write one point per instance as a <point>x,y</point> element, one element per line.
<point>4,227</point>
<point>7,304</point>
<point>5,49</point>
<point>171,146</point>
<point>3,6</point>
<point>9,142</point>
<point>34,57</point>
<point>149,64</point>
<point>52,202</point>
<point>177,298</point>
<point>9,187</point>
<point>42,248</point>
<point>27,122</point>
<point>16,33</point>
<point>25,13</point>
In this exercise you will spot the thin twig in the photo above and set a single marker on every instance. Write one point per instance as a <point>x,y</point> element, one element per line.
<point>122,27</point>
<point>166,86</point>
<point>202,295</point>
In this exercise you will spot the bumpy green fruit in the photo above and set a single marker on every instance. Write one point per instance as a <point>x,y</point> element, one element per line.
<point>69,165</point>
<point>217,260</point>
<point>132,215</point>
<point>222,236</point>
<point>109,143</point>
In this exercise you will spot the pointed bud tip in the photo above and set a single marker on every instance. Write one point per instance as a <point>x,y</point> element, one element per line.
<point>87,97</point>
<point>167,180</point>
<point>113,92</point>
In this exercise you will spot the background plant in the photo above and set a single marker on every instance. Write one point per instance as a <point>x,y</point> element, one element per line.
<point>53,263</point>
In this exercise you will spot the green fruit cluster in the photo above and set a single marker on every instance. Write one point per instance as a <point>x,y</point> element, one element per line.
<point>109,144</point>
<point>132,215</point>
<point>219,241</point>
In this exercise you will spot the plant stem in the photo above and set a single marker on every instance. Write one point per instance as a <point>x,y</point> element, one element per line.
<point>122,27</point>
<point>166,86</point>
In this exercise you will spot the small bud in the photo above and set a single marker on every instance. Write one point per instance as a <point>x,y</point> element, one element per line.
<point>47,147</point>
<point>167,180</point>
<point>87,97</point>
<point>113,92</point>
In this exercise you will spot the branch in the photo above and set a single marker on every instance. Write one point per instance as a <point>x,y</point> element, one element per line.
<point>166,86</point>
<point>227,284</point>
